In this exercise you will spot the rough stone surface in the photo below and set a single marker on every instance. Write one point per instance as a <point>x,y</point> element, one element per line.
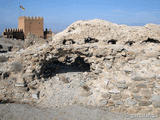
<point>91,63</point>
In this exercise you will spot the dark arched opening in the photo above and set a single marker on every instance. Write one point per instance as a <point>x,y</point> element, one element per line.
<point>112,41</point>
<point>52,67</point>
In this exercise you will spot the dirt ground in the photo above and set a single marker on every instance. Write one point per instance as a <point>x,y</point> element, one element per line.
<point>74,112</point>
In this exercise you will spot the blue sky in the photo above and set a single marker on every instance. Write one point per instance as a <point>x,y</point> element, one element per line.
<point>58,14</point>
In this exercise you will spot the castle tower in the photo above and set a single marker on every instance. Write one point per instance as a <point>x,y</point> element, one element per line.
<point>32,25</point>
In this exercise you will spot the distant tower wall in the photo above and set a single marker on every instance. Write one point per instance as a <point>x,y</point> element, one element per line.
<point>32,25</point>
<point>47,34</point>
<point>13,33</point>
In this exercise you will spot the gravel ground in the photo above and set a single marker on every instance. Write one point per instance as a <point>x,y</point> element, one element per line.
<point>10,44</point>
<point>75,112</point>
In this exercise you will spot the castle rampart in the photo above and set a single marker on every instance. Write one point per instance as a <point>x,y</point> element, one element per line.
<point>32,25</point>
<point>13,33</point>
<point>26,25</point>
<point>47,34</point>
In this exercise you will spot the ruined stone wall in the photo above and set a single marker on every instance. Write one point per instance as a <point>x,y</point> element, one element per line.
<point>32,25</point>
<point>91,63</point>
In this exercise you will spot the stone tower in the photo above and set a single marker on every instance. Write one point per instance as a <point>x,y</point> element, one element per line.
<point>32,25</point>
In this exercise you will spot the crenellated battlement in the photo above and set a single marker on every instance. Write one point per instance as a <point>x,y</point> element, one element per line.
<point>32,25</point>
<point>27,24</point>
<point>31,18</point>
<point>13,33</point>
<point>13,30</point>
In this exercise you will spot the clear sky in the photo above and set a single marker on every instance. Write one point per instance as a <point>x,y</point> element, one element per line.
<point>58,14</point>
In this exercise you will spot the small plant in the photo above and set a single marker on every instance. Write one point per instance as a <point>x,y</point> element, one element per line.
<point>6,75</point>
<point>85,87</point>
<point>3,59</point>
<point>65,79</point>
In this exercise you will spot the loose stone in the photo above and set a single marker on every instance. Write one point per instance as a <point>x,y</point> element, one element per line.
<point>145,103</point>
<point>114,91</point>
<point>19,85</point>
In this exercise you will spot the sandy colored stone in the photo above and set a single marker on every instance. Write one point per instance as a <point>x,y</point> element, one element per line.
<point>104,56</point>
